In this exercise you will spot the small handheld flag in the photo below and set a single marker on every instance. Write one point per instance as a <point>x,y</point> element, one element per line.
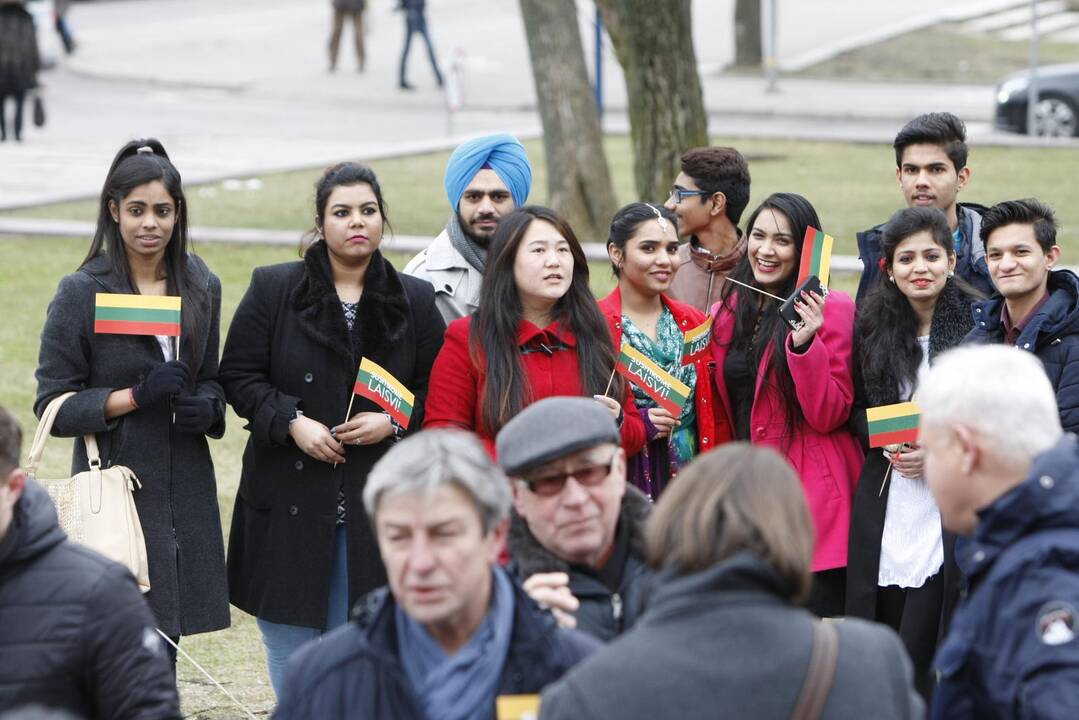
<point>893,424</point>
<point>123,314</point>
<point>695,342</point>
<point>379,386</point>
<point>816,256</point>
<point>668,391</point>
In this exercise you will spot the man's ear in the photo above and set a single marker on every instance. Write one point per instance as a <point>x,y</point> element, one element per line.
<point>500,533</point>
<point>964,177</point>
<point>1052,256</point>
<point>16,484</point>
<point>719,204</point>
<point>968,446</point>
<point>518,498</point>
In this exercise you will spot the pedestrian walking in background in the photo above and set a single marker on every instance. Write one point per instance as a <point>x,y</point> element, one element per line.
<point>60,8</point>
<point>1006,477</point>
<point>723,634</point>
<point>901,564</point>
<point>150,409</point>
<point>538,332</point>
<point>350,10</point>
<point>76,633</point>
<point>301,549</point>
<point>416,22</point>
<point>19,62</point>
<point>453,631</point>
<point>645,257</point>
<point>793,389</point>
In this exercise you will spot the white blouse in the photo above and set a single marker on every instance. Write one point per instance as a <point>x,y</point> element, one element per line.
<point>911,547</point>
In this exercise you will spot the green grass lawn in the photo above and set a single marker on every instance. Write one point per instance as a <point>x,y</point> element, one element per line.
<point>852,186</point>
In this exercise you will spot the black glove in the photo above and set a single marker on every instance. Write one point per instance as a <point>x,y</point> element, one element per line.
<point>195,414</point>
<point>161,383</point>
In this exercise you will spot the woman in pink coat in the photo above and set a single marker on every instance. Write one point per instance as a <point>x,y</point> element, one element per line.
<point>792,389</point>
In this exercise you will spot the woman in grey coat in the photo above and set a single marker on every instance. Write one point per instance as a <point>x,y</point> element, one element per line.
<point>150,410</point>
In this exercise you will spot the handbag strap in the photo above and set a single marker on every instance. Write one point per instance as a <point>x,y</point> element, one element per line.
<point>821,672</point>
<point>44,429</point>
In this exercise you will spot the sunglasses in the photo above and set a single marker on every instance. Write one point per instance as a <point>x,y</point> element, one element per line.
<point>552,484</point>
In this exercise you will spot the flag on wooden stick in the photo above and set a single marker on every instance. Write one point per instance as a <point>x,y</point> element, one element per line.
<point>668,391</point>
<point>378,385</point>
<point>816,256</point>
<point>893,424</point>
<point>124,314</point>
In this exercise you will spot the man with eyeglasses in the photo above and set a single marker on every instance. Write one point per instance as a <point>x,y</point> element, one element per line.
<point>708,197</point>
<point>577,532</point>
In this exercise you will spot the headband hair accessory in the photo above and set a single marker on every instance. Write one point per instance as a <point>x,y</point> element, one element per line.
<point>659,217</point>
<point>145,150</point>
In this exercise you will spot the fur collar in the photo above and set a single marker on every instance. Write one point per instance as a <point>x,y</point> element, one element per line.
<point>530,557</point>
<point>381,320</point>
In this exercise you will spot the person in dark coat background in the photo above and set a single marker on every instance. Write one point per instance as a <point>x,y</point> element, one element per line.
<point>75,633</point>
<point>348,10</point>
<point>1006,477</point>
<point>150,410</point>
<point>301,551</point>
<point>722,635</point>
<point>416,22</point>
<point>19,61</point>
<point>900,566</point>
<point>1036,307</point>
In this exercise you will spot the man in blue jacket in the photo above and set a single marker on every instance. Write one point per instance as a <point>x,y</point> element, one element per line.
<point>1036,308</point>
<point>931,169</point>
<point>1005,477</point>
<point>453,632</point>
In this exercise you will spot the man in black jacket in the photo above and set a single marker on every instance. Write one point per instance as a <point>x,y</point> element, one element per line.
<point>931,169</point>
<point>75,634</point>
<point>577,535</point>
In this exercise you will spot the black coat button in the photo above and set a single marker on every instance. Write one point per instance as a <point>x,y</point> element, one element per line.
<point>293,510</point>
<point>308,377</point>
<point>299,464</point>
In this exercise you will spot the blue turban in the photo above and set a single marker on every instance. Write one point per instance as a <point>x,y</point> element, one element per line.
<point>502,153</point>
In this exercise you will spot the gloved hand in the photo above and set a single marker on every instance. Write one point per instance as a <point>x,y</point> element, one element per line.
<point>161,383</point>
<point>195,414</point>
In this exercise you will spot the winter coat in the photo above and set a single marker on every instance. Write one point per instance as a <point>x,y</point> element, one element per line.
<point>549,358</point>
<point>602,614</point>
<point>355,671</point>
<point>19,59</point>
<point>699,283</point>
<point>1052,335</point>
<point>725,643</point>
<point>75,633</point>
<point>1012,650</point>
<point>712,426</point>
<point>289,348</point>
<point>970,263</point>
<point>177,503</point>
<point>456,283</point>
<point>821,449</point>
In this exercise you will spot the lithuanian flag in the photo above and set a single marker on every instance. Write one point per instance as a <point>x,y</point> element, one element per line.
<point>668,391</point>
<point>123,314</point>
<point>376,384</point>
<point>816,256</point>
<point>893,424</point>
<point>695,342</point>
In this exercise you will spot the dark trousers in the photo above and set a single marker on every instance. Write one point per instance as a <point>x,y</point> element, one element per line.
<point>828,595</point>
<point>915,614</point>
<point>339,18</point>
<point>20,99</point>
<point>416,22</point>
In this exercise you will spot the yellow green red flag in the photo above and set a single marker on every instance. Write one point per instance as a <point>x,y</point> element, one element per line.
<point>125,314</point>
<point>668,391</point>
<point>378,385</point>
<point>816,256</point>
<point>893,424</point>
<point>695,342</point>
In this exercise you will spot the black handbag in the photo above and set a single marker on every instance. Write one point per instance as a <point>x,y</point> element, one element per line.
<point>39,111</point>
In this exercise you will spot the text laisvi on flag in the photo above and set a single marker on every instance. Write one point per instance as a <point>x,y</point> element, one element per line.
<point>377,385</point>
<point>669,392</point>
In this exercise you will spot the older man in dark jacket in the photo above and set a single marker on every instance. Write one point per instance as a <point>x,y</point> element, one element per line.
<point>75,634</point>
<point>578,546</point>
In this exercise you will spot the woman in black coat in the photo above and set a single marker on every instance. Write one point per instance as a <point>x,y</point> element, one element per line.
<point>901,570</point>
<point>301,551</point>
<point>19,62</point>
<point>150,410</point>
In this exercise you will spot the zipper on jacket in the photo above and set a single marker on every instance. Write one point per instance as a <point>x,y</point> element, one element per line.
<point>616,609</point>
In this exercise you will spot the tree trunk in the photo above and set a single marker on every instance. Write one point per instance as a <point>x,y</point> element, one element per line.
<point>578,179</point>
<point>747,33</point>
<point>654,43</point>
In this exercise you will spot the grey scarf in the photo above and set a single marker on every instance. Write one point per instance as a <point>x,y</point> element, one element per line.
<point>472,252</point>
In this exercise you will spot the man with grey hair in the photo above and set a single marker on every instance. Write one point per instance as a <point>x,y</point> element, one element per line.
<point>452,632</point>
<point>1006,477</point>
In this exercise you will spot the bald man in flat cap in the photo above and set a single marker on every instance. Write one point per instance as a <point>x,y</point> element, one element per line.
<point>486,179</point>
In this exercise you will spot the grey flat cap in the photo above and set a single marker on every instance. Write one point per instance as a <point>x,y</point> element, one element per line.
<point>552,428</point>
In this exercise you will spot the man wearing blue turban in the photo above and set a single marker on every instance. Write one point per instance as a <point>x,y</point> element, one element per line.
<point>486,179</point>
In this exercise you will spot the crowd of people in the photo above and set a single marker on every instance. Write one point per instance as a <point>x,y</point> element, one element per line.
<point>540,523</point>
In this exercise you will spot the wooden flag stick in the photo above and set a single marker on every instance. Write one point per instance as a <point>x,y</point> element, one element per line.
<point>887,472</point>
<point>754,289</point>
<point>348,414</point>
<point>612,379</point>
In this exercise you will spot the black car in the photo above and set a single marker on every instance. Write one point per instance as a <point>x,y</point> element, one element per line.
<point>1057,110</point>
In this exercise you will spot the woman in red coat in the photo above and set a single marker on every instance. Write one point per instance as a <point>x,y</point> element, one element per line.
<point>538,332</point>
<point>643,246</point>
<point>793,389</point>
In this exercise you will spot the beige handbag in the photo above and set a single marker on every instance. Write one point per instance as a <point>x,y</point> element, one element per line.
<point>97,506</point>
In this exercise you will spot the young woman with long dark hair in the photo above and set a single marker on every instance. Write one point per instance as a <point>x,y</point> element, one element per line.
<point>538,332</point>
<point>150,410</point>
<point>792,389</point>
<point>901,568</point>
<point>643,247</point>
<point>301,549</point>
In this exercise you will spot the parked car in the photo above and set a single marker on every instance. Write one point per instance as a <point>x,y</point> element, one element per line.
<point>1057,109</point>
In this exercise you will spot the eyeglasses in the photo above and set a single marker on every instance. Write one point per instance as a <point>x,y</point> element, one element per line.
<point>680,194</point>
<point>589,475</point>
